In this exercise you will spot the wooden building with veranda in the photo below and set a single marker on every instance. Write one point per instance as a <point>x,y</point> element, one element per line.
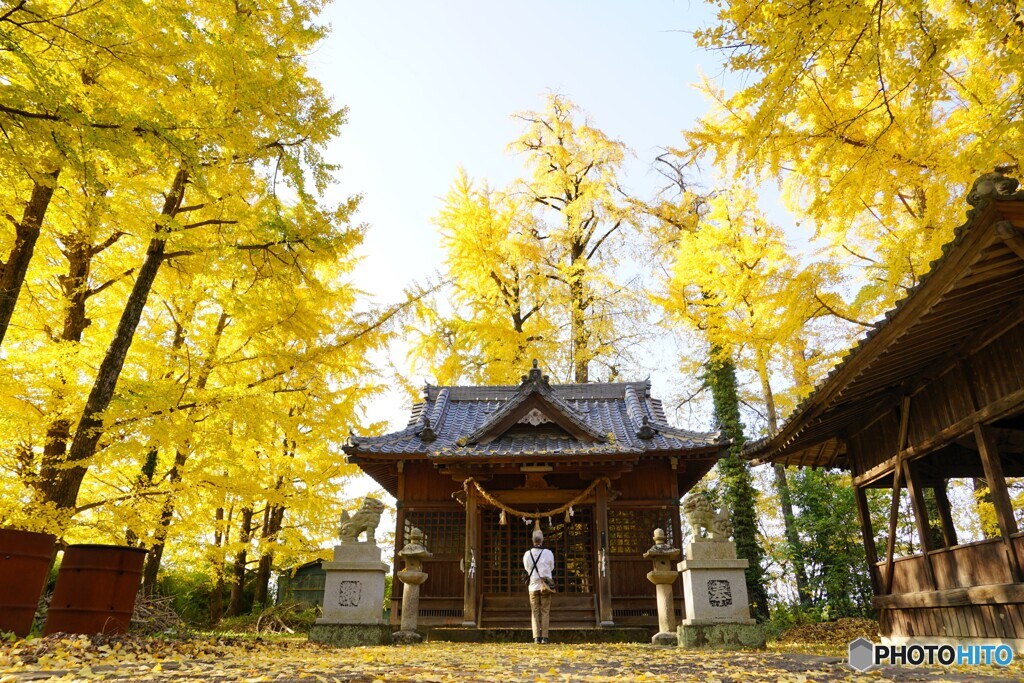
<point>597,466</point>
<point>934,394</point>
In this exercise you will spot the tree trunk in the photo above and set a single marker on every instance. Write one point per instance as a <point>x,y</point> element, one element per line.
<point>578,317</point>
<point>156,552</point>
<point>75,286</point>
<point>273,518</point>
<point>739,494</point>
<point>217,592</point>
<point>238,568</point>
<point>63,490</point>
<point>782,488</point>
<point>792,537</point>
<point>12,272</point>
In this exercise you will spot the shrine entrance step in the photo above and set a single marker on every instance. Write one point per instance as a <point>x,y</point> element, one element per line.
<point>613,634</point>
<point>512,611</point>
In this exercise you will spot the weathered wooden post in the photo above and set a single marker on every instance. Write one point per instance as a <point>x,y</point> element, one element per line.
<point>412,576</point>
<point>663,576</point>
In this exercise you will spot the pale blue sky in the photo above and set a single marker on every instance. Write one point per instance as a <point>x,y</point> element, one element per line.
<point>431,86</point>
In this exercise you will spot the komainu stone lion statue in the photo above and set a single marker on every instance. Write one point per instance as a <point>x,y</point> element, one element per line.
<point>700,514</point>
<point>365,519</point>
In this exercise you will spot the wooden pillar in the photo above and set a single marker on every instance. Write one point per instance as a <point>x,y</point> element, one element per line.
<point>870,551</point>
<point>894,509</point>
<point>604,560</point>
<point>989,451</point>
<point>677,530</point>
<point>924,531</point>
<point>396,585</point>
<point>945,514</point>
<point>470,560</point>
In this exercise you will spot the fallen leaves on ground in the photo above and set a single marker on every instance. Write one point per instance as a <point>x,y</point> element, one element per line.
<point>130,658</point>
<point>827,637</point>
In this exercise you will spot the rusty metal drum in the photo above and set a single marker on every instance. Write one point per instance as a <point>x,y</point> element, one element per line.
<point>25,559</point>
<point>96,588</point>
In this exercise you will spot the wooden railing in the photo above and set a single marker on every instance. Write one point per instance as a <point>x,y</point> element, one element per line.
<point>981,563</point>
<point>974,594</point>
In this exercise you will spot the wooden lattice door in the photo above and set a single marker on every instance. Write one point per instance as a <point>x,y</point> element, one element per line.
<point>502,547</point>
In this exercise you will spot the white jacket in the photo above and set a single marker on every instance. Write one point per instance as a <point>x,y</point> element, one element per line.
<point>545,565</point>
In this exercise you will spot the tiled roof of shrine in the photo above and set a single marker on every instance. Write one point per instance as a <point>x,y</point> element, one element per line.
<point>537,418</point>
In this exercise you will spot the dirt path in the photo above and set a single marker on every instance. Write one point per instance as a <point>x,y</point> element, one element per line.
<point>140,659</point>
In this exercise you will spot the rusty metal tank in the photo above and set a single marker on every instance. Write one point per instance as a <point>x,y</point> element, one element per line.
<point>25,559</point>
<point>96,588</point>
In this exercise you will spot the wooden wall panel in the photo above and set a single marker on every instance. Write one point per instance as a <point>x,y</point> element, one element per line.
<point>444,579</point>
<point>910,575</point>
<point>999,367</point>
<point>937,406</point>
<point>975,564</point>
<point>651,480</point>
<point>629,577</point>
<point>876,443</point>
<point>424,483</point>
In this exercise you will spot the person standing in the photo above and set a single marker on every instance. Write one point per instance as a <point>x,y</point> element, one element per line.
<point>539,563</point>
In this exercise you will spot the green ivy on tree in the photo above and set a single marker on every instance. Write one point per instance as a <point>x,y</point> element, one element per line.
<point>736,482</point>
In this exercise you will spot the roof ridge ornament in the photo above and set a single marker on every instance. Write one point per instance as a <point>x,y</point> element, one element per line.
<point>536,377</point>
<point>427,434</point>
<point>991,185</point>
<point>646,431</point>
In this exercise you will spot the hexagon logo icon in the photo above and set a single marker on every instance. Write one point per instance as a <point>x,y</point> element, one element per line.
<point>862,654</point>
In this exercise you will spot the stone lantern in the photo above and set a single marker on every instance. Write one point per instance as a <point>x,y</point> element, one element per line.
<point>663,576</point>
<point>413,577</point>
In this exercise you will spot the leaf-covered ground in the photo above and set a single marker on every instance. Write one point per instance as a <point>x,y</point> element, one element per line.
<point>204,659</point>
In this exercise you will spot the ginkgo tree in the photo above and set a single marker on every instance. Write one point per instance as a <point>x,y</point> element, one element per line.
<point>534,266</point>
<point>875,117</point>
<point>185,343</point>
<point>500,289</point>
<point>735,281</point>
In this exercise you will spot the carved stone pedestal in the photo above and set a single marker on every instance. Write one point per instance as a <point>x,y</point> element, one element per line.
<point>353,598</point>
<point>715,593</point>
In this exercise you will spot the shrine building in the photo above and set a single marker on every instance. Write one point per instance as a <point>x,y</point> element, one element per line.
<point>597,466</point>
<point>931,401</point>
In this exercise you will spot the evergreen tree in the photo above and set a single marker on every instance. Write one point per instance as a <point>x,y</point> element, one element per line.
<point>833,548</point>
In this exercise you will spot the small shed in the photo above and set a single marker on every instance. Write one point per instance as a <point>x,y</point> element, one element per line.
<point>302,585</point>
<point>934,392</point>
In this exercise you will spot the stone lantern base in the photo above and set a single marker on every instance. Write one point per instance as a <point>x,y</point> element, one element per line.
<point>715,593</point>
<point>353,598</point>
<point>406,638</point>
<point>721,636</point>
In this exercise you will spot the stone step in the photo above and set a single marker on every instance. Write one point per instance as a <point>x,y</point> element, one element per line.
<point>558,601</point>
<point>557,634</point>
